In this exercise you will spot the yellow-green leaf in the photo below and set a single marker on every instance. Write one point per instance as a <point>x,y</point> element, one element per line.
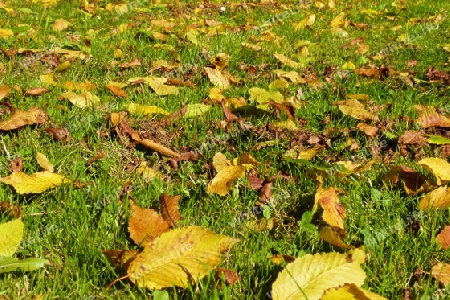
<point>312,275</point>
<point>146,109</point>
<point>177,257</point>
<point>83,100</point>
<point>195,110</point>
<point>263,96</point>
<point>10,236</point>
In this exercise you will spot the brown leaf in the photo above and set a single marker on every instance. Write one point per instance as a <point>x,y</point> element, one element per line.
<point>37,91</point>
<point>177,82</point>
<point>433,120</point>
<point>17,164</point>
<point>133,63</point>
<point>282,258</point>
<point>367,129</point>
<point>443,238</point>
<point>170,209</point>
<point>21,118</point>
<point>413,137</point>
<point>255,182</point>
<point>372,72</point>
<point>265,193</point>
<point>10,209</point>
<point>157,147</point>
<point>229,116</point>
<point>145,224</point>
<point>230,276</point>
<point>120,258</point>
<point>59,134</point>
<point>414,182</point>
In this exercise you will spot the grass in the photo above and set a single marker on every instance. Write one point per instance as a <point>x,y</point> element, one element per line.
<point>70,226</point>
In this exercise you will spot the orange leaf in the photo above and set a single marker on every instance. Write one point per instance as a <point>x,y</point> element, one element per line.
<point>145,224</point>
<point>4,92</point>
<point>433,120</point>
<point>117,91</point>
<point>333,211</point>
<point>443,238</point>
<point>441,272</point>
<point>367,129</point>
<point>133,63</point>
<point>37,91</point>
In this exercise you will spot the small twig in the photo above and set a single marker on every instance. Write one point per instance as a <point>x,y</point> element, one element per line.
<point>116,280</point>
<point>6,149</point>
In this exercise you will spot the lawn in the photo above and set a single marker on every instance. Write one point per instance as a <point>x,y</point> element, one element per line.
<point>294,128</point>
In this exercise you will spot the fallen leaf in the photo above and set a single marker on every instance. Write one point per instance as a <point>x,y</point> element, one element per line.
<point>169,208</point>
<point>43,162</point>
<point>145,224</point>
<point>311,275</point>
<point>222,183</point>
<point>59,134</point>
<point>21,118</point>
<point>414,182</point>
<point>17,164</point>
<point>263,96</point>
<point>443,238</point>
<point>433,120</point>
<point>438,198</point>
<point>48,79</point>
<point>334,238</point>
<point>413,137</point>
<point>333,211</point>
<point>83,100</point>
<point>282,258</point>
<point>350,292</point>
<point>146,109</point>
<point>157,147</point>
<point>195,110</point>
<point>217,78</point>
<point>187,254</point>
<point>372,72</point>
<point>10,210</point>
<point>60,25</point>
<point>288,62</point>
<point>439,167</point>
<point>441,272</point>
<point>35,183</point>
<point>120,258</point>
<point>116,90</point>
<point>230,277</point>
<point>37,91</point>
<point>367,129</point>
<point>10,236</point>
<point>4,92</point>
<point>355,109</point>
<point>147,173</point>
<point>134,63</point>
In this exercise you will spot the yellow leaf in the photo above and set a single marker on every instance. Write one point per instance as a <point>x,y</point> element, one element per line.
<point>350,292</point>
<point>438,198</point>
<point>216,94</point>
<point>146,109</point>
<point>83,100</point>
<point>293,76</point>
<point>147,173</point>
<point>223,182</point>
<point>333,211</point>
<point>158,85</point>
<point>178,257</point>
<point>355,109</point>
<point>288,124</point>
<point>217,78</point>
<point>10,236</point>
<point>311,275</point>
<point>308,21</point>
<point>439,167</point>
<point>348,65</point>
<point>42,160</point>
<point>195,110</point>
<point>35,183</point>
<point>338,20</point>
<point>333,237</point>
<point>261,224</point>
<point>21,118</point>
<point>288,62</point>
<point>48,79</point>
<point>6,33</point>
<point>220,162</point>
<point>251,46</point>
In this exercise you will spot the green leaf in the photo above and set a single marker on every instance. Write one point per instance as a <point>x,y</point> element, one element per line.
<point>11,264</point>
<point>305,223</point>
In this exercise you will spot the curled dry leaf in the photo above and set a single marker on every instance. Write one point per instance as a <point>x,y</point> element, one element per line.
<point>21,118</point>
<point>134,63</point>
<point>443,238</point>
<point>10,209</point>
<point>333,211</point>
<point>230,276</point>
<point>145,224</point>
<point>170,209</point>
<point>37,91</point>
<point>334,238</point>
<point>59,134</point>
<point>414,182</point>
<point>117,91</point>
<point>433,120</point>
<point>413,137</point>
